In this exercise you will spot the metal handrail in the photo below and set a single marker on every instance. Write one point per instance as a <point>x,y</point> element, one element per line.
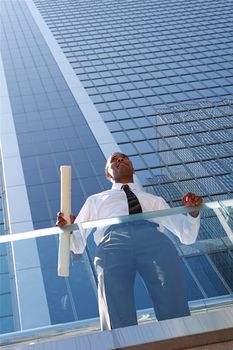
<point>112,221</point>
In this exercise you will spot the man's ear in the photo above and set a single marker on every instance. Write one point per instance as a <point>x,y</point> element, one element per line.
<point>108,176</point>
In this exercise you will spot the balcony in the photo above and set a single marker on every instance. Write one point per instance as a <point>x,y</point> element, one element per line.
<point>207,268</point>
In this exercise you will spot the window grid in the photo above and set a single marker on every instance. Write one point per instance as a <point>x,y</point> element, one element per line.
<point>178,80</point>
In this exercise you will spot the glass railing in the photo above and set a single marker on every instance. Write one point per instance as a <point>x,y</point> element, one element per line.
<point>133,251</point>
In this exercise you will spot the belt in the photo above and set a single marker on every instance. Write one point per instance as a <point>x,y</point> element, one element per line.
<point>137,223</point>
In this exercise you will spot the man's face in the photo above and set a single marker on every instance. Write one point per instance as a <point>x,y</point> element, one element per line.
<point>119,168</point>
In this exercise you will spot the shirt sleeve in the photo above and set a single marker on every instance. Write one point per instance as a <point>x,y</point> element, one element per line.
<point>185,227</point>
<point>78,238</point>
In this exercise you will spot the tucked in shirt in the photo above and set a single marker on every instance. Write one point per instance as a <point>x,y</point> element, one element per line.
<point>113,203</point>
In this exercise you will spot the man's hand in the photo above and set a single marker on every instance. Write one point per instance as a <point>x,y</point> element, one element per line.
<point>61,222</point>
<point>192,200</point>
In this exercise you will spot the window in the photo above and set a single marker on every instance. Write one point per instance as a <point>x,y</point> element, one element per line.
<point>224,263</point>
<point>206,276</point>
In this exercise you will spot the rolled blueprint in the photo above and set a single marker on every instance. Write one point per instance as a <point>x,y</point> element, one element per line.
<point>64,238</point>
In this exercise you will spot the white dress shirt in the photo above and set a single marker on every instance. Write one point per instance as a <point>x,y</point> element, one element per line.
<point>113,203</point>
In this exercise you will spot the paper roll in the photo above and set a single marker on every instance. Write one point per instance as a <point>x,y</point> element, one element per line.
<point>65,208</point>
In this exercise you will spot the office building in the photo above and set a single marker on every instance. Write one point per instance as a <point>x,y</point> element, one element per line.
<point>83,78</point>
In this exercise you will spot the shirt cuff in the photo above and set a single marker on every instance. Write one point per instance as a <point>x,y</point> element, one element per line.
<point>77,245</point>
<point>194,220</point>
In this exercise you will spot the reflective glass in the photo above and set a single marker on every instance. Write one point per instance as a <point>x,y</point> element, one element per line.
<point>207,276</point>
<point>197,169</point>
<point>3,264</point>
<point>224,263</point>
<point>5,305</point>
<point>226,181</point>
<point>128,148</point>
<point>4,283</point>
<point>143,146</point>
<point>188,74</point>
<point>6,324</point>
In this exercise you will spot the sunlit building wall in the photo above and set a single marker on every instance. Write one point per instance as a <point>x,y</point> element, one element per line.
<point>154,79</point>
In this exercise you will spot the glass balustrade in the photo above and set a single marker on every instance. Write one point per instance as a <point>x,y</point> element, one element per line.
<point>30,284</point>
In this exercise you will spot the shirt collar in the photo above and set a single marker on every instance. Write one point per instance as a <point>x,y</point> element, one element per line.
<point>132,185</point>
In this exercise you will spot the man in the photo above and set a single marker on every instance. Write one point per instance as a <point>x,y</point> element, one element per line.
<point>139,246</point>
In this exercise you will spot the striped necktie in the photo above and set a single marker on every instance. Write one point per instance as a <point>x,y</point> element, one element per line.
<point>133,202</point>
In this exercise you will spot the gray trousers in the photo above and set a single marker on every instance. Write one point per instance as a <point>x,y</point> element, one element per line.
<point>138,247</point>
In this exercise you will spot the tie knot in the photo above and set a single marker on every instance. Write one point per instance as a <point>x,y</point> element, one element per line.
<point>125,187</point>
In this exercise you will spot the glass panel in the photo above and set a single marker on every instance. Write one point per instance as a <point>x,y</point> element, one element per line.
<point>5,305</point>
<point>4,283</point>
<point>203,279</point>
<point>224,263</point>
<point>3,264</point>
<point>6,324</point>
<point>141,257</point>
<point>207,276</point>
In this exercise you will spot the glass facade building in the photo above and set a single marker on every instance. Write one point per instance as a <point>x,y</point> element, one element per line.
<point>153,79</point>
<point>6,312</point>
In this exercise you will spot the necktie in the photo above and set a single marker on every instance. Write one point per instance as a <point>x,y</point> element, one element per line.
<point>133,202</point>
